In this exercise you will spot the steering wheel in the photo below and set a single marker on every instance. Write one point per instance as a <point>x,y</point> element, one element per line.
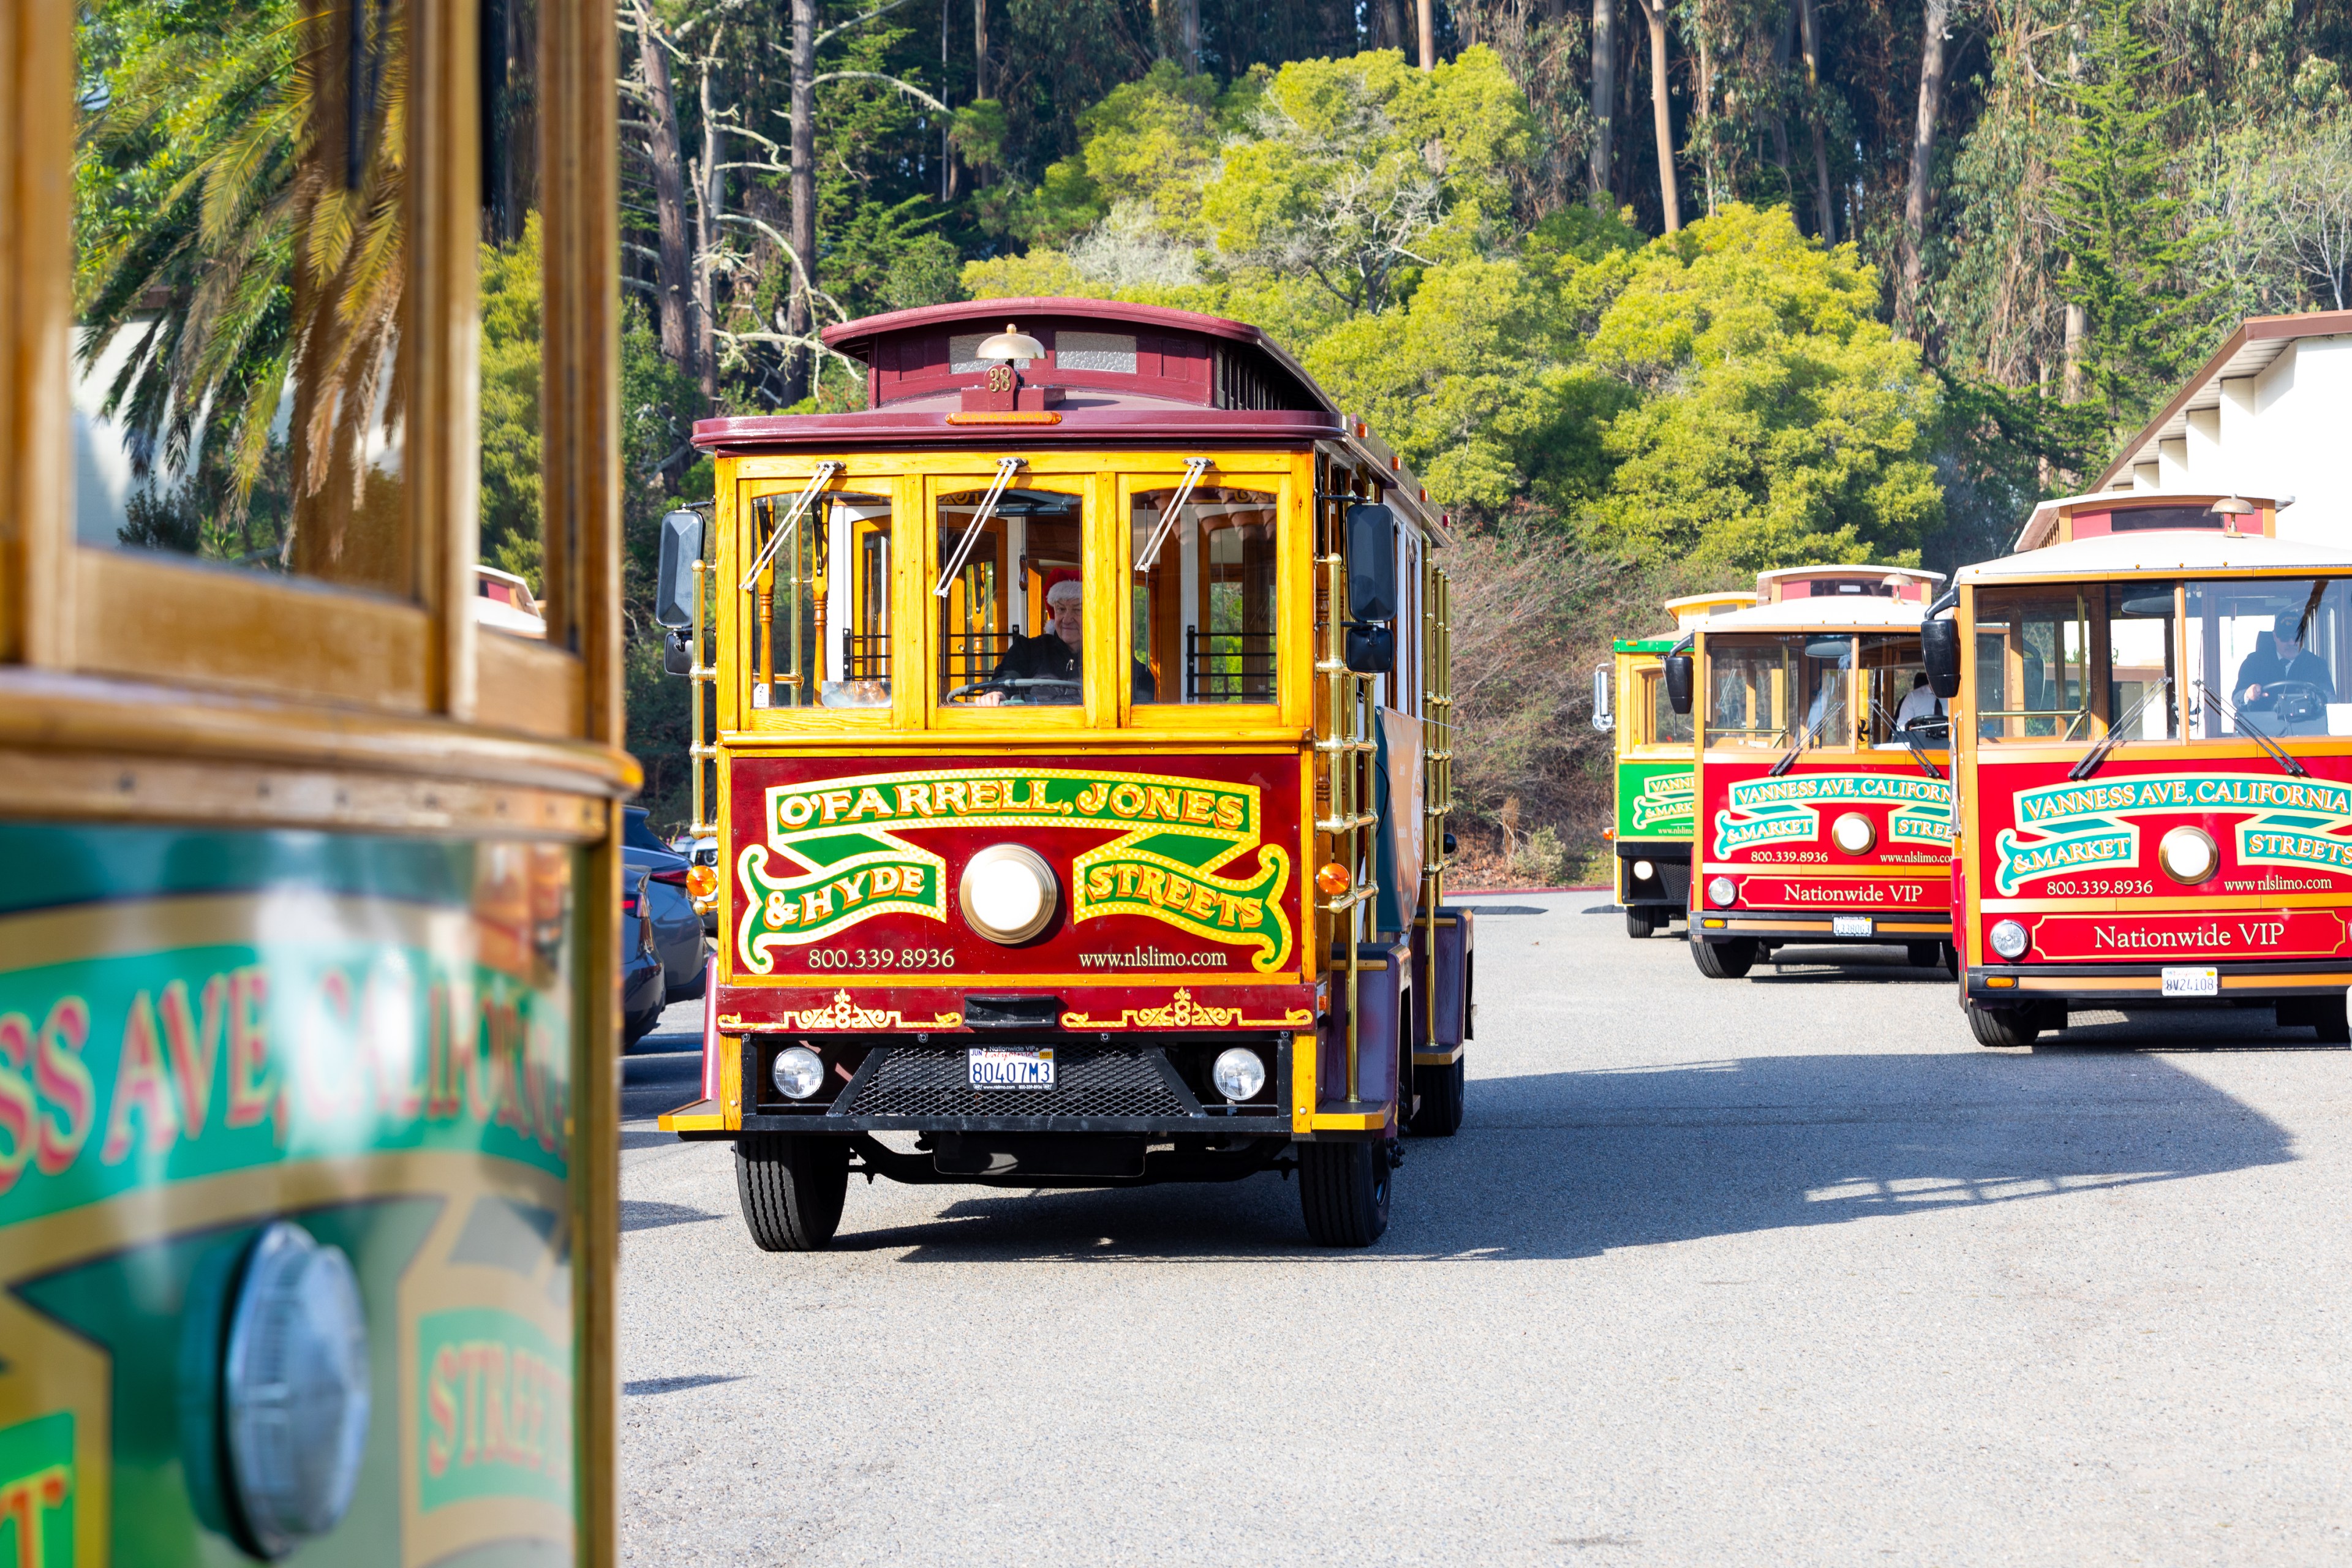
<point>2296,701</point>
<point>1027,689</point>
<point>1932,726</point>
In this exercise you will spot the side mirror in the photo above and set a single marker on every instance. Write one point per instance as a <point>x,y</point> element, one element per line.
<point>1681,670</point>
<point>1939,649</point>
<point>1371,563</point>
<point>674,585</point>
<point>1372,651</point>
<point>1604,717</point>
<point>677,651</point>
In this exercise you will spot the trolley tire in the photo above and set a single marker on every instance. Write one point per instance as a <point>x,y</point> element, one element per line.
<point>1343,1190</point>
<point>1724,960</point>
<point>1638,924</point>
<point>1924,954</point>
<point>2329,1022</point>
<point>2007,1029</point>
<point>791,1189</point>
<point>1439,1089</point>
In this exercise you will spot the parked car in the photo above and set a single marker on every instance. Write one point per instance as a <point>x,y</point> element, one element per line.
<point>641,977</point>
<point>677,928</point>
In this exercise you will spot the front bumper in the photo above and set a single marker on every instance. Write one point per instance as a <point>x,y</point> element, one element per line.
<point>1810,926</point>
<point>2142,985</point>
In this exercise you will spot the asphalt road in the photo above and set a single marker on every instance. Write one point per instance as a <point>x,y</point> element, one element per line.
<point>1781,1270</point>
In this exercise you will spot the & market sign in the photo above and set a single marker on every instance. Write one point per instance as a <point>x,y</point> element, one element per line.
<point>1772,811</point>
<point>2062,827</point>
<point>836,853</point>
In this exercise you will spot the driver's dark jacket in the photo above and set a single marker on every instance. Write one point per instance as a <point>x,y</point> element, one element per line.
<point>1048,657</point>
<point>2264,668</point>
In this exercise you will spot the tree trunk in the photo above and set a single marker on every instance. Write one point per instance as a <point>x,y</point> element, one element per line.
<point>1425,12</point>
<point>710,194</point>
<point>1188,36</point>
<point>947,123</point>
<point>1653,12</point>
<point>674,288</point>
<point>1821,215</point>
<point>798,313</point>
<point>1780,126</point>
<point>2071,389</point>
<point>1605,94</point>
<point>978,47</point>
<point>1922,162</point>
<point>1705,104</point>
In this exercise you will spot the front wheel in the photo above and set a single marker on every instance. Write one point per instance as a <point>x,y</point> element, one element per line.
<point>1439,1089</point>
<point>2006,1029</point>
<point>1638,924</point>
<point>791,1189</point>
<point>1724,960</point>
<point>1343,1189</point>
<point>1925,954</point>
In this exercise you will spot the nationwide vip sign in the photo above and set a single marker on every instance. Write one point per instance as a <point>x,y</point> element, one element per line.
<point>2295,822</point>
<point>1773,811</point>
<point>842,851</point>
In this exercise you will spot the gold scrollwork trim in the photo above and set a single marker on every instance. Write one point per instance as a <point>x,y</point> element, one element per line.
<point>1183,1013</point>
<point>844,1014</point>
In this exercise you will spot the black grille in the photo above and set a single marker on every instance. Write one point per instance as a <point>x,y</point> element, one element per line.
<point>1090,1080</point>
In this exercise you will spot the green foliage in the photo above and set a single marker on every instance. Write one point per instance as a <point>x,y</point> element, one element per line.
<point>511,301</point>
<point>2126,257</point>
<point>1781,423</point>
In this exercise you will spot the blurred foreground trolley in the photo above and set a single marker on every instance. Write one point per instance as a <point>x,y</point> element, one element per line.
<point>307,836</point>
<point>1082,772</point>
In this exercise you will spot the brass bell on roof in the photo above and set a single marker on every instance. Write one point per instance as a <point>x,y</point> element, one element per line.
<point>1011,344</point>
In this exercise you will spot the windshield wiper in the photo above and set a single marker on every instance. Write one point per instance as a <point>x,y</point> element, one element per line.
<point>2238,723</point>
<point>1005,467</point>
<point>1910,738</point>
<point>1785,764</point>
<point>2117,733</point>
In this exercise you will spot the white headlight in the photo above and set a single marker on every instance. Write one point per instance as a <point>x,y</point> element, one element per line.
<point>799,1072</point>
<point>1643,870</point>
<point>1238,1074</point>
<point>1007,893</point>
<point>1720,892</point>
<point>2009,939</point>
<point>296,1387</point>
<point>2188,854</point>
<point>1852,833</point>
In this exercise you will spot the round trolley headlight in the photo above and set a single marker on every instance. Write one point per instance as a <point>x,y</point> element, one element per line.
<point>1721,892</point>
<point>2189,855</point>
<point>294,1388</point>
<point>1643,870</point>
<point>2008,938</point>
<point>1008,893</point>
<point>1852,833</point>
<point>1238,1073</point>
<point>798,1071</point>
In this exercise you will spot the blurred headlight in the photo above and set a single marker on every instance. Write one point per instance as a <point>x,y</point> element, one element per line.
<point>1643,870</point>
<point>1853,834</point>
<point>2189,855</point>
<point>1721,892</point>
<point>1007,893</point>
<point>2009,939</point>
<point>799,1072</point>
<point>1238,1074</point>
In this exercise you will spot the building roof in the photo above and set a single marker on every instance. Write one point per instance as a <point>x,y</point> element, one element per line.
<point>2170,550</point>
<point>2249,351</point>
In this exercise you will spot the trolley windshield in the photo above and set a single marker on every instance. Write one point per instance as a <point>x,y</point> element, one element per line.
<point>2194,658</point>
<point>1771,690</point>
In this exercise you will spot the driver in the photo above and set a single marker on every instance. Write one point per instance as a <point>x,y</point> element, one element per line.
<point>2284,660</point>
<point>1052,656</point>
<point>1919,702</point>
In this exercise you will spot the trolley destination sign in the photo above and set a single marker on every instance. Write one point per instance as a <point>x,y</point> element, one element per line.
<point>2296,823</point>
<point>835,855</point>
<point>1770,811</point>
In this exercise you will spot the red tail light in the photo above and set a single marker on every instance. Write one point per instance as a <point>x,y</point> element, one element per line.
<point>675,878</point>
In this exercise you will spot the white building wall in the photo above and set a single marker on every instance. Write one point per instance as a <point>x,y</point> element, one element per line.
<point>2283,432</point>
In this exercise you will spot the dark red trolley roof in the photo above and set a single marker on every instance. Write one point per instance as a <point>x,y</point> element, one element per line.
<point>1135,374</point>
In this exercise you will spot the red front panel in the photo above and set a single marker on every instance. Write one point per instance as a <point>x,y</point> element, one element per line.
<point>1774,836</point>
<point>2081,864</point>
<point>1177,893</point>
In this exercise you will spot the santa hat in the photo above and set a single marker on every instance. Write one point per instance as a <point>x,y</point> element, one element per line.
<point>1064,588</point>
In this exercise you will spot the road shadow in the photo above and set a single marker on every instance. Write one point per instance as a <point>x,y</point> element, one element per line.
<point>1574,1164</point>
<point>660,1072</point>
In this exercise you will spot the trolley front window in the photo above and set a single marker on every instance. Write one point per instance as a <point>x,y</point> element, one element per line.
<point>1203,595</point>
<point>2034,649</point>
<point>1011,619</point>
<point>2280,645</point>
<point>1666,727</point>
<point>1896,697</point>
<point>1775,690</point>
<point>821,605</point>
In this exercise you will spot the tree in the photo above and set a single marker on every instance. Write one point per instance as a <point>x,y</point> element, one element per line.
<point>1936,13</point>
<point>1778,422</point>
<point>1653,12</point>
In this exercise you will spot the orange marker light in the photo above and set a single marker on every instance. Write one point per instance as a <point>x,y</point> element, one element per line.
<point>701,880</point>
<point>1333,879</point>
